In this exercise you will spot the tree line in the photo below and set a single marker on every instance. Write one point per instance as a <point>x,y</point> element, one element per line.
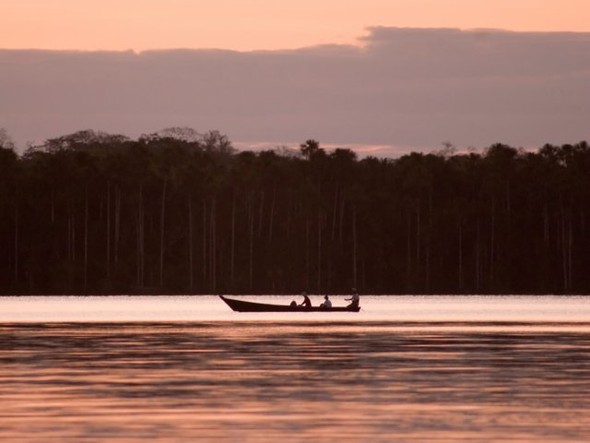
<point>182,212</point>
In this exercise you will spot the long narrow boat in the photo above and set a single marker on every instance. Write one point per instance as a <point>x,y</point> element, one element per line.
<point>248,306</point>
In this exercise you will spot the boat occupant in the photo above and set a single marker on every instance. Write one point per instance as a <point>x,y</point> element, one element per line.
<point>306,301</point>
<point>354,299</point>
<point>327,304</point>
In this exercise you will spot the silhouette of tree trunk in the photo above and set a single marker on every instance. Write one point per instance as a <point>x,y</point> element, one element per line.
<point>460,256</point>
<point>71,245</point>
<point>478,258</point>
<point>233,239</point>
<point>409,266</point>
<point>335,214</point>
<point>191,263</point>
<point>86,239</point>
<point>108,233</point>
<point>492,240</point>
<point>307,253</point>
<point>319,273</point>
<point>117,223</point>
<point>162,231</point>
<point>16,244</point>
<point>566,245</point>
<point>341,223</point>
<point>213,246</point>
<point>205,267</point>
<point>271,217</point>
<point>428,242</point>
<point>260,214</point>
<point>52,205</point>
<point>418,242</point>
<point>140,282</point>
<point>354,248</point>
<point>251,238</point>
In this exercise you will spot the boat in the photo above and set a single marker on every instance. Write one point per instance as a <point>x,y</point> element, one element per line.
<point>249,306</point>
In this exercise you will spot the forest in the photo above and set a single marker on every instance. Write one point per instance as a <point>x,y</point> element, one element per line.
<point>179,212</point>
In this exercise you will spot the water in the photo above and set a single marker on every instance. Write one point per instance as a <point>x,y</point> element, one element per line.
<point>130,369</point>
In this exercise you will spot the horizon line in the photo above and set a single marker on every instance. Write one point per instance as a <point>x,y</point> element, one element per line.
<point>359,42</point>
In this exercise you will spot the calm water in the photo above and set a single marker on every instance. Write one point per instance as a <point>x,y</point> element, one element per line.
<point>188,369</point>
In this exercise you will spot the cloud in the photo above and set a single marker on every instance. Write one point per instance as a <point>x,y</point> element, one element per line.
<point>401,87</point>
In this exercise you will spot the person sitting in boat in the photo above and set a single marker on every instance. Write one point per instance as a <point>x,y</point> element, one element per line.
<point>327,304</point>
<point>306,301</point>
<point>354,299</point>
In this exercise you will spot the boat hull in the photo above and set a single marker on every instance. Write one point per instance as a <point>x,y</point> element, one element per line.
<point>248,306</point>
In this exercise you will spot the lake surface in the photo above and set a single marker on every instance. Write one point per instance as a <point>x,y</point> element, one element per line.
<point>130,369</point>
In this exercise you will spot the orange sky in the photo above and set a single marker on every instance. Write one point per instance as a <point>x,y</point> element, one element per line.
<point>260,24</point>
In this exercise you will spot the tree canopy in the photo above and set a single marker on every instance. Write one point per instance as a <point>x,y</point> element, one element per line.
<point>182,212</point>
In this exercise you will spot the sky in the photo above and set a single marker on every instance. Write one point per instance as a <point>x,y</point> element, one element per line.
<point>261,24</point>
<point>380,76</point>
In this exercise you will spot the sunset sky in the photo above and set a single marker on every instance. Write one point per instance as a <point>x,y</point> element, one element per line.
<point>261,24</point>
<point>380,76</point>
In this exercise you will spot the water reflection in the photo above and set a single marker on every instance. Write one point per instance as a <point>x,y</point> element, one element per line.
<point>294,382</point>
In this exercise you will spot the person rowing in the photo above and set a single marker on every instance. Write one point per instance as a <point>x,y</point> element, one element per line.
<point>306,301</point>
<point>354,299</point>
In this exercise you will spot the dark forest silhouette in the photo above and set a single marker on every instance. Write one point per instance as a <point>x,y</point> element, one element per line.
<point>181,212</point>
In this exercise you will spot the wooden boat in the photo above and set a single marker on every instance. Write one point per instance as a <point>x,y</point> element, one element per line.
<point>248,306</point>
